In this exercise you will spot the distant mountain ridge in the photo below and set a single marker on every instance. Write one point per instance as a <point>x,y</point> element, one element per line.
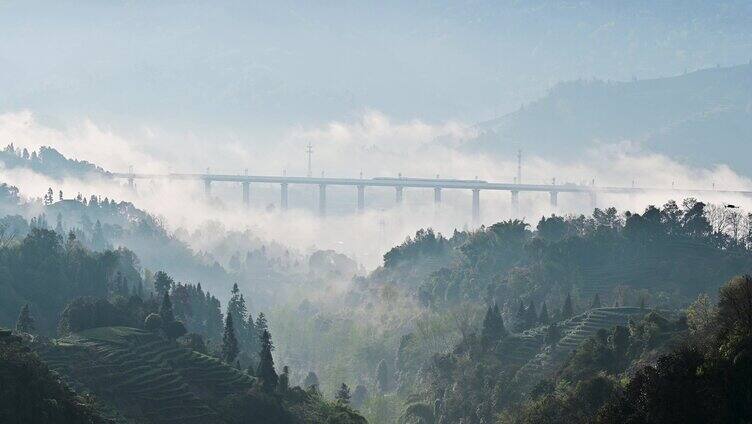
<point>702,117</point>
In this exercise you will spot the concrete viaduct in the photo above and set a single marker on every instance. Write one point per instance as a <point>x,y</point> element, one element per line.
<point>400,183</point>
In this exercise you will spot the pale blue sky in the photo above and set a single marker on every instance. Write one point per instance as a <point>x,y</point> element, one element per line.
<point>265,67</point>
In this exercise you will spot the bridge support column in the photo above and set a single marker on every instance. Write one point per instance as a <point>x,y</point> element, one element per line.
<point>207,188</point>
<point>437,196</point>
<point>247,194</point>
<point>554,199</point>
<point>130,183</point>
<point>476,206</point>
<point>593,200</point>
<point>361,198</point>
<point>515,203</point>
<point>398,195</point>
<point>322,200</point>
<point>283,196</point>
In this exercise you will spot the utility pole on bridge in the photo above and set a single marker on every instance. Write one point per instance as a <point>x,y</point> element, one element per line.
<point>519,166</point>
<point>309,151</point>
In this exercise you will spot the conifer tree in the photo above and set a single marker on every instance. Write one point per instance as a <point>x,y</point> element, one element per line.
<point>311,380</point>
<point>284,380</point>
<point>261,325</point>
<point>567,311</point>
<point>493,325</point>
<point>230,348</point>
<point>596,303</point>
<point>543,318</point>
<point>162,282</point>
<point>59,224</point>
<point>382,377</point>
<point>531,316</point>
<point>359,396</point>
<point>553,334</point>
<point>25,322</point>
<point>165,311</point>
<point>343,394</point>
<point>236,305</point>
<point>265,371</point>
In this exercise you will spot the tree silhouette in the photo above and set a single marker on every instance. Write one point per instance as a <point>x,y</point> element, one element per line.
<point>596,303</point>
<point>265,371</point>
<point>311,380</point>
<point>343,394</point>
<point>25,322</point>
<point>543,318</point>
<point>230,348</point>
<point>382,377</point>
<point>567,311</point>
<point>165,311</point>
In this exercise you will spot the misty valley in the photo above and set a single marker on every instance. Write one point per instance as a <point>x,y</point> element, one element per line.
<point>614,316</point>
<point>442,212</point>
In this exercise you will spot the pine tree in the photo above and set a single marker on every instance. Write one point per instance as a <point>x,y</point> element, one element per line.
<point>284,380</point>
<point>519,318</point>
<point>230,348</point>
<point>567,311</point>
<point>382,377</point>
<point>493,325</point>
<point>162,282</point>
<point>620,341</point>
<point>265,371</point>
<point>25,322</point>
<point>261,325</point>
<point>553,334</point>
<point>252,334</point>
<point>236,304</point>
<point>543,318</point>
<point>311,380</point>
<point>165,311</point>
<point>531,316</point>
<point>359,396</point>
<point>59,224</point>
<point>596,303</point>
<point>343,394</point>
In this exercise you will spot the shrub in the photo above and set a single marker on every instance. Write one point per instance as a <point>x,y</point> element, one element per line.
<point>153,322</point>
<point>89,312</point>
<point>174,329</point>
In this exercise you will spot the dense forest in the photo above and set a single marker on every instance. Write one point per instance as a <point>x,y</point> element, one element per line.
<point>613,317</point>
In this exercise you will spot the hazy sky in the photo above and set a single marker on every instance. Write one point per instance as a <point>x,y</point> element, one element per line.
<point>258,68</point>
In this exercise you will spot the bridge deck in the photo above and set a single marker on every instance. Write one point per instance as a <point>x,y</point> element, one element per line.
<point>420,183</point>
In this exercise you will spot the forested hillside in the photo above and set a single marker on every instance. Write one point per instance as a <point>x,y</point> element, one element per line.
<point>475,322</point>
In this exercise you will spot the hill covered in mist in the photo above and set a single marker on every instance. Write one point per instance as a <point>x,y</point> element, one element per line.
<point>702,117</point>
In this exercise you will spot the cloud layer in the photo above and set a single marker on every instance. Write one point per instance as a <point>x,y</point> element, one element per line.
<point>373,144</point>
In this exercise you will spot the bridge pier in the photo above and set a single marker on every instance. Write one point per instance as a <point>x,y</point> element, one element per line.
<point>554,199</point>
<point>361,198</point>
<point>398,195</point>
<point>283,196</point>
<point>322,200</point>
<point>515,203</point>
<point>207,188</point>
<point>476,206</point>
<point>593,200</point>
<point>437,195</point>
<point>247,194</point>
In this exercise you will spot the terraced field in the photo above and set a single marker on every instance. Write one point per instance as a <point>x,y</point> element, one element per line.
<point>144,377</point>
<point>574,332</point>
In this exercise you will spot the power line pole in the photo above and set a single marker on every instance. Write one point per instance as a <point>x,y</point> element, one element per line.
<point>309,151</point>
